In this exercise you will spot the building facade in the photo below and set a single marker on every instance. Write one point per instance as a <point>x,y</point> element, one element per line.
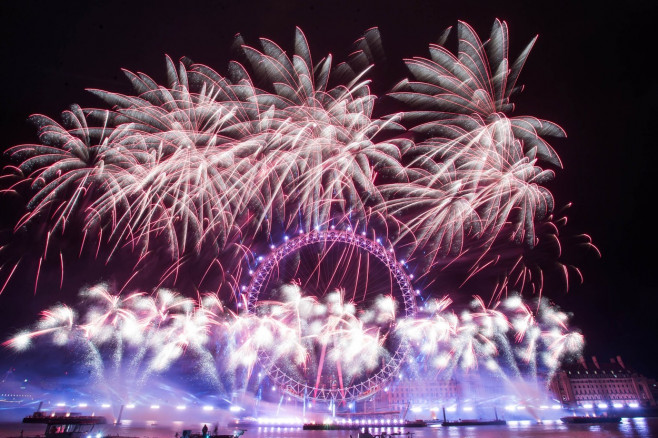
<point>603,385</point>
<point>421,391</point>
<point>585,384</point>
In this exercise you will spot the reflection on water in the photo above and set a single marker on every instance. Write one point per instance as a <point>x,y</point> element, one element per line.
<point>629,427</point>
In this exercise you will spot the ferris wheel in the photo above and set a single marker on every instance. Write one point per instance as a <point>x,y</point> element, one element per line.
<point>364,271</point>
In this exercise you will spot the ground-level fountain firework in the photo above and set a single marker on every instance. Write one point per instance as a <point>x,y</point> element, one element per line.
<point>386,224</point>
<point>314,346</point>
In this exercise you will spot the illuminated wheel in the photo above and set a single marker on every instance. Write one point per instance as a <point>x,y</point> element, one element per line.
<point>321,263</point>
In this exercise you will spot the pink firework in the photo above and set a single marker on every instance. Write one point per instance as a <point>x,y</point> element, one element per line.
<point>189,181</point>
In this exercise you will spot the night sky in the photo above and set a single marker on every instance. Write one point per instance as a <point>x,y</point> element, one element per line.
<point>591,72</point>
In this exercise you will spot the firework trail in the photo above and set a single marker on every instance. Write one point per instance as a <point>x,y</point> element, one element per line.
<point>207,166</point>
<point>506,338</point>
<point>322,343</point>
<point>58,324</point>
<point>476,175</point>
<point>191,180</point>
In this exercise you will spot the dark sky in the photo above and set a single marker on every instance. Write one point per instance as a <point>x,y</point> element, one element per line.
<point>591,72</point>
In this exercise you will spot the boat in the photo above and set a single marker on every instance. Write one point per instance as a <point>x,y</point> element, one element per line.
<point>331,426</point>
<point>355,425</point>
<point>583,419</point>
<point>367,434</point>
<point>236,433</point>
<point>414,423</point>
<point>473,422</point>
<point>65,424</point>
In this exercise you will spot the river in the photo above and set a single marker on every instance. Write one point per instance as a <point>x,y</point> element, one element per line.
<point>629,427</point>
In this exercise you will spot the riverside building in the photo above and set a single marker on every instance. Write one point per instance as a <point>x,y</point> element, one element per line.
<point>601,385</point>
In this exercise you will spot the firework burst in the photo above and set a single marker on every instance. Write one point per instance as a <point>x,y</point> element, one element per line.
<point>324,346</point>
<point>194,178</point>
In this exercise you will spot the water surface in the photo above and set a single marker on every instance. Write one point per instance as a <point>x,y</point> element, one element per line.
<point>629,427</point>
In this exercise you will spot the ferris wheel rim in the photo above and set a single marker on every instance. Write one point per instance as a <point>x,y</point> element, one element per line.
<point>369,386</point>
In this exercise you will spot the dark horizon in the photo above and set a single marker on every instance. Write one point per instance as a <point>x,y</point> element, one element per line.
<point>590,72</point>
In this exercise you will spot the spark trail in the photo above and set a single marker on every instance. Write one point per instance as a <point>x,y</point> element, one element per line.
<point>191,180</point>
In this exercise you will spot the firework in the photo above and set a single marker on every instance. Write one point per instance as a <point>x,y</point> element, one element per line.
<point>326,344</point>
<point>209,164</point>
<point>507,337</point>
<point>475,171</point>
<point>196,177</point>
